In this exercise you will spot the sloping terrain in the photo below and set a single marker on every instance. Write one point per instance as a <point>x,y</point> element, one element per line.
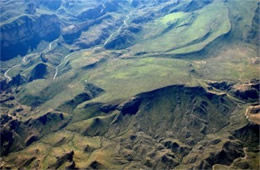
<point>129,84</point>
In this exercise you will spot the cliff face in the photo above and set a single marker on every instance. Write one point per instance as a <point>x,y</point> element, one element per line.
<point>26,33</point>
<point>129,84</point>
<point>38,72</point>
<point>253,34</point>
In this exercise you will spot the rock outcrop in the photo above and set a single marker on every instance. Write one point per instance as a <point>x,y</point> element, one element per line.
<point>38,72</point>
<point>67,157</point>
<point>253,34</point>
<point>15,82</point>
<point>248,91</point>
<point>16,134</point>
<point>25,33</point>
<point>92,91</point>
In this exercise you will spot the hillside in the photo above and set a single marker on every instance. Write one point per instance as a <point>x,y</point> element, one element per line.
<point>129,84</point>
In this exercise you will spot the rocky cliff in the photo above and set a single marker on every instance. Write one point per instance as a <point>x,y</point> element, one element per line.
<point>25,33</point>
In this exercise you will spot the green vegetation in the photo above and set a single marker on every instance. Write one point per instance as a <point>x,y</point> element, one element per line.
<point>171,18</point>
<point>181,33</point>
<point>174,98</point>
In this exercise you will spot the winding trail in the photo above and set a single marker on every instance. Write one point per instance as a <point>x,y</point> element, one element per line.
<point>57,67</point>
<point>119,29</point>
<point>24,60</point>
<point>56,72</point>
<point>6,74</point>
<point>25,57</point>
<point>102,4</point>
<point>67,56</point>
<point>50,44</point>
<point>49,49</point>
<point>108,39</point>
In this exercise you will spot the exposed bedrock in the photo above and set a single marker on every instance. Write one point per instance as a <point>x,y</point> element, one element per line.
<point>25,33</point>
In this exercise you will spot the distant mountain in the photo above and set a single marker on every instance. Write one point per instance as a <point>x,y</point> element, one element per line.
<point>129,84</point>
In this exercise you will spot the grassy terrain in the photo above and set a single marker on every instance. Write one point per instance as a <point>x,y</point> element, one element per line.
<point>192,31</point>
<point>122,78</point>
<point>181,48</point>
